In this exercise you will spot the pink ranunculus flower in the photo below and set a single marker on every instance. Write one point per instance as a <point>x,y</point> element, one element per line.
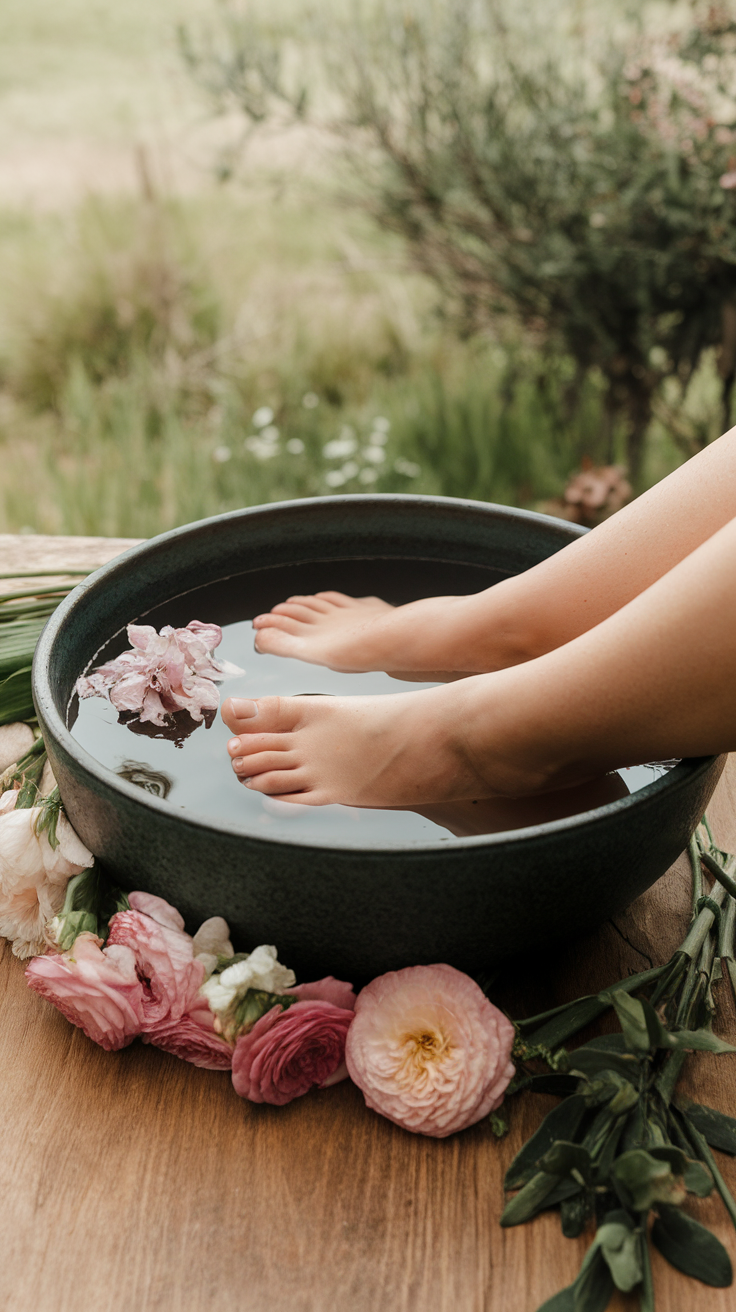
<point>96,989</point>
<point>170,973</point>
<point>287,1053</point>
<point>193,1038</point>
<point>33,874</point>
<point>329,989</point>
<point>162,673</point>
<point>428,1050</point>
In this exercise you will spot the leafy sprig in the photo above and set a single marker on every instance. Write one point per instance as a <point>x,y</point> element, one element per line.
<point>622,1145</point>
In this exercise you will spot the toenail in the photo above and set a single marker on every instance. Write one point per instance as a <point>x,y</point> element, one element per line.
<point>238,763</point>
<point>245,710</point>
<point>233,745</point>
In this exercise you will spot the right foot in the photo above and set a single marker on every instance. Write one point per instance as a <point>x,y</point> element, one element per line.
<point>352,634</point>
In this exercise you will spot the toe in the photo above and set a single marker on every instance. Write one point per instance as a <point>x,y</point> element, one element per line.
<point>271,715</point>
<point>258,763</point>
<point>315,603</point>
<point>277,782</point>
<point>274,641</point>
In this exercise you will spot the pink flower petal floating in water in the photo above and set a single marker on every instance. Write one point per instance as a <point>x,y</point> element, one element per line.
<point>162,673</point>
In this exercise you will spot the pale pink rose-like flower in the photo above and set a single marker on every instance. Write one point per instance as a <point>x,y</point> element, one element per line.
<point>288,1053</point>
<point>33,874</point>
<point>158,909</point>
<point>162,673</point>
<point>96,989</point>
<point>329,989</point>
<point>193,1038</point>
<point>428,1050</point>
<point>169,972</point>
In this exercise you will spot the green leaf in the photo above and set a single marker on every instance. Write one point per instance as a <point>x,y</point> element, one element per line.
<point>643,1180</point>
<point>690,1248</point>
<point>561,1123</point>
<point>250,1008</point>
<point>90,902</point>
<point>530,1200</point>
<point>565,1159</point>
<point>716,1128</point>
<point>619,1243</point>
<point>695,1176</point>
<point>594,1061</point>
<point>575,1213</point>
<point>592,1290</point>
<point>560,1023</point>
<point>632,1019</point>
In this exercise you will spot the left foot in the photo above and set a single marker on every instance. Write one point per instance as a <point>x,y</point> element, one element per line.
<point>397,750</point>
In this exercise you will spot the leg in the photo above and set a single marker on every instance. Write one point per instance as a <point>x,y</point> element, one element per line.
<point>656,679</point>
<point>522,617</point>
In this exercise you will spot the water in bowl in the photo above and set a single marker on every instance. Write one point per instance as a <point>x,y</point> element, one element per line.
<point>193,771</point>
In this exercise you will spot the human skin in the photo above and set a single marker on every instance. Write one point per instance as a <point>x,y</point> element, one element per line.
<point>655,679</point>
<point>525,616</point>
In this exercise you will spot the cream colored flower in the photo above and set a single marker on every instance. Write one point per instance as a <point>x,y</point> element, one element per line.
<point>260,970</point>
<point>33,875</point>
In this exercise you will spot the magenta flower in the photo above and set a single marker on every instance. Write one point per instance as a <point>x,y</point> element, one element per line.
<point>96,989</point>
<point>169,972</point>
<point>428,1049</point>
<point>162,673</point>
<point>193,1038</point>
<point>287,1053</point>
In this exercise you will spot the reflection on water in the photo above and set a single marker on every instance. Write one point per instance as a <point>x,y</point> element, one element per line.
<point>192,770</point>
<point>151,781</point>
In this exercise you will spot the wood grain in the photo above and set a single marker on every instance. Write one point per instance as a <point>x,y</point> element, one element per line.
<point>133,1181</point>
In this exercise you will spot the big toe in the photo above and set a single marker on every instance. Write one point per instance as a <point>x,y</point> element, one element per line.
<point>264,715</point>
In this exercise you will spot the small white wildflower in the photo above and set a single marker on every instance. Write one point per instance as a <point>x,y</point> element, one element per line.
<point>407,467</point>
<point>350,469</point>
<point>335,478</point>
<point>260,970</point>
<point>221,454</point>
<point>597,219</point>
<point>377,438</point>
<point>263,416</point>
<point>310,400</point>
<point>295,446</point>
<point>381,424</point>
<point>375,454</point>
<point>339,448</point>
<point>263,450</point>
<point>269,434</point>
<point>367,476</point>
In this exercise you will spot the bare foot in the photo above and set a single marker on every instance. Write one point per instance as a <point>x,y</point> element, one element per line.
<point>430,639</point>
<point>398,750</point>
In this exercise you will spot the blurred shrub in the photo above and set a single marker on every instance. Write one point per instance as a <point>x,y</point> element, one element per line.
<point>592,196</point>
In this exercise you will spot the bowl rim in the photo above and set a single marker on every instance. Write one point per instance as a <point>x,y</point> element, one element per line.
<point>678,777</point>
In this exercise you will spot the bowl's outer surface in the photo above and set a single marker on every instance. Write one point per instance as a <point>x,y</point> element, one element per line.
<point>339,910</point>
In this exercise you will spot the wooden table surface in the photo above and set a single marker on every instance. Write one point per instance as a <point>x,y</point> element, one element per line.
<point>131,1180</point>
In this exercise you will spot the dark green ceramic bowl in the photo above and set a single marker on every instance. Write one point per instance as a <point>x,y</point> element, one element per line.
<point>348,911</point>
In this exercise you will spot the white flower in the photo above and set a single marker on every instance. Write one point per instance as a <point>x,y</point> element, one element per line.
<point>375,454</point>
<point>378,438</point>
<point>365,476</point>
<point>381,424</point>
<point>260,970</point>
<point>310,400</point>
<point>335,478</point>
<point>407,467</point>
<point>350,469</point>
<point>262,416</point>
<point>263,450</point>
<point>340,447</point>
<point>33,875</point>
<point>295,446</point>
<point>221,454</point>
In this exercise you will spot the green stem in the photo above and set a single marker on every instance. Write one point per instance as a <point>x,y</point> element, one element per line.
<point>718,873</point>
<point>704,1153</point>
<point>646,1297</point>
<point>49,573</point>
<point>596,1008</point>
<point>697,869</point>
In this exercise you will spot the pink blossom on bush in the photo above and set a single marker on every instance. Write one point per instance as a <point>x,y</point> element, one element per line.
<point>287,1053</point>
<point>169,972</point>
<point>193,1038</point>
<point>428,1049</point>
<point>162,673</point>
<point>96,989</point>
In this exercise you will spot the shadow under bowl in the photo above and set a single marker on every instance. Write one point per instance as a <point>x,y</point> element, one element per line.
<point>354,912</point>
